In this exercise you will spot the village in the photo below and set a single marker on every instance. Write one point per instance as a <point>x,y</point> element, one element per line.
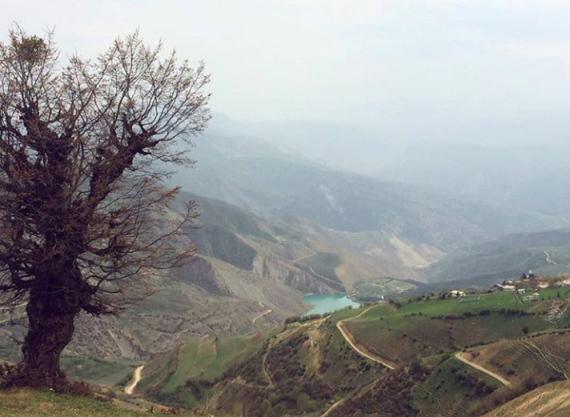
<point>528,286</point>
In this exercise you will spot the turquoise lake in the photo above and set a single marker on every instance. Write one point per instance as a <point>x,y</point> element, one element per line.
<point>326,303</point>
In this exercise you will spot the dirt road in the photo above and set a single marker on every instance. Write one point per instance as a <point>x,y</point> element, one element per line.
<point>484,370</point>
<point>137,376</point>
<point>361,350</point>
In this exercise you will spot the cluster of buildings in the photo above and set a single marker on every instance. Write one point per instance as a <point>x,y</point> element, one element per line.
<point>528,285</point>
<point>530,282</point>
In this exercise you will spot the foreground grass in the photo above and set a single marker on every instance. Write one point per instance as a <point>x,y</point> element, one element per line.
<point>27,403</point>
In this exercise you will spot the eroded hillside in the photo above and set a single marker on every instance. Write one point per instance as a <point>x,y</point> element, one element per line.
<point>425,357</point>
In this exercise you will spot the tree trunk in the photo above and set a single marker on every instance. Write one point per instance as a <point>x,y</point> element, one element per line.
<point>51,326</point>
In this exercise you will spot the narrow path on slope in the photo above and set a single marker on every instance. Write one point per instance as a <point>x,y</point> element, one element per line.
<point>362,351</point>
<point>137,376</point>
<point>548,260</point>
<point>337,283</point>
<point>311,270</point>
<point>265,313</point>
<point>484,370</point>
<point>121,348</point>
<point>264,367</point>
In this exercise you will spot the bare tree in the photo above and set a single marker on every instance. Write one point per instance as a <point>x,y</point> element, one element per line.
<point>82,200</point>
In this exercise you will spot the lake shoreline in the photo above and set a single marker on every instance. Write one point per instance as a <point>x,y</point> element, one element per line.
<point>327,303</point>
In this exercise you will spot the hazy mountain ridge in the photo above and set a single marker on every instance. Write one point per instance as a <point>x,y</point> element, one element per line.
<point>262,179</point>
<point>545,253</point>
<point>478,163</point>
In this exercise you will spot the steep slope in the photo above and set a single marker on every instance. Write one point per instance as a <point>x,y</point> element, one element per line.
<point>303,368</point>
<point>249,274</point>
<point>552,400</point>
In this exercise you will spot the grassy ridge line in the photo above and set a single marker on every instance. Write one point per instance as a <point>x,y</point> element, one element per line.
<point>398,331</point>
<point>26,403</point>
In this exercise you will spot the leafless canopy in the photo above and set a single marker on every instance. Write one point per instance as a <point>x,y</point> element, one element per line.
<point>82,204</point>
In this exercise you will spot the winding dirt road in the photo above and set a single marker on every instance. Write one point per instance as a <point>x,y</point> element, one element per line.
<point>137,376</point>
<point>548,259</point>
<point>484,370</point>
<point>361,350</point>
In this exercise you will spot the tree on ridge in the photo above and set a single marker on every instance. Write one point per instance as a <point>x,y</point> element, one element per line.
<point>82,200</point>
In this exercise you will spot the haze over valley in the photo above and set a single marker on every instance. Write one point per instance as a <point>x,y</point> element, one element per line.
<point>285,208</point>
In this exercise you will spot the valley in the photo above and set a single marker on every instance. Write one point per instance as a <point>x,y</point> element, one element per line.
<point>285,209</point>
<point>211,336</point>
<point>379,350</point>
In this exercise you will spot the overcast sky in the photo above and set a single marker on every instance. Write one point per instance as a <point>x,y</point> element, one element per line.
<point>384,64</point>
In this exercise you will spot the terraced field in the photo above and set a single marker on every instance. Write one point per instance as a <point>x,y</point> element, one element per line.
<point>539,358</point>
<point>443,326</point>
<point>309,368</point>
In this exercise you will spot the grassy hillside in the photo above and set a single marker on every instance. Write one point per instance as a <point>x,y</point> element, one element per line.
<point>202,361</point>
<point>408,327</point>
<point>377,288</point>
<point>310,369</point>
<point>303,368</point>
<point>24,403</point>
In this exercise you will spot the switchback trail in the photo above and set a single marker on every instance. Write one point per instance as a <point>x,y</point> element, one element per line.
<point>137,376</point>
<point>362,351</point>
<point>484,370</point>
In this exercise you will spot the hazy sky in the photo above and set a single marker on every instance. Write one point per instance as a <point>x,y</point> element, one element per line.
<point>433,64</point>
